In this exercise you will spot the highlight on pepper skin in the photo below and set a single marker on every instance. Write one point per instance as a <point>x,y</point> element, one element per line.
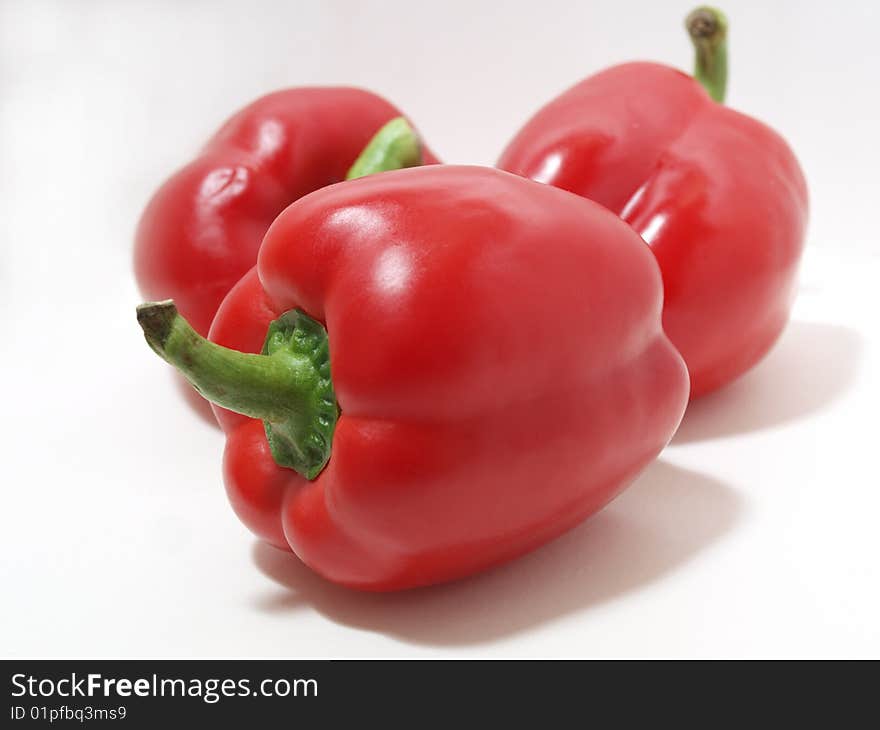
<point>462,431</point>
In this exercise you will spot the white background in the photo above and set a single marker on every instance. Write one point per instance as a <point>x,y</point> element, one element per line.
<point>754,535</point>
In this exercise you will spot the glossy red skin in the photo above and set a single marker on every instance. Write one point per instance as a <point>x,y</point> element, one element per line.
<point>201,231</point>
<point>718,196</point>
<point>498,359</point>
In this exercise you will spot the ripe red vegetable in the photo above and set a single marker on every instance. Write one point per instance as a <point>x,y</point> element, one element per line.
<point>201,231</point>
<point>458,365</point>
<point>718,196</point>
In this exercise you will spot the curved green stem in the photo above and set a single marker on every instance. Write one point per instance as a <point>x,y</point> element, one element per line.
<point>707,28</point>
<point>393,147</point>
<point>288,387</point>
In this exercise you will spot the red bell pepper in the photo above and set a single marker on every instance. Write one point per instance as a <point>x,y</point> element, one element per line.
<point>201,231</point>
<point>718,196</point>
<point>457,365</point>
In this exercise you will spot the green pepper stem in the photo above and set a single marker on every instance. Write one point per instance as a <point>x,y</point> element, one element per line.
<point>707,28</point>
<point>393,147</point>
<point>288,387</point>
<point>253,385</point>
